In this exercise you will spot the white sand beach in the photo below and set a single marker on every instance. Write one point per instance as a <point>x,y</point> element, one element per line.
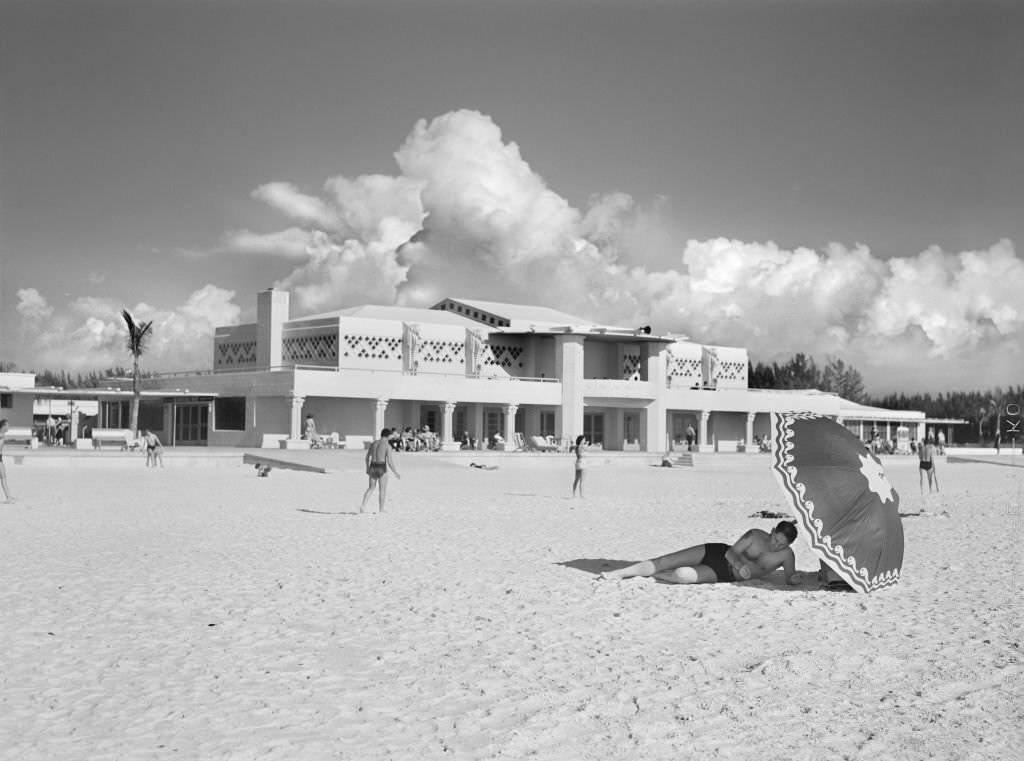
<point>205,613</point>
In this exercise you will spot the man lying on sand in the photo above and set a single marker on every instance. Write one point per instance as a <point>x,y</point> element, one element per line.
<point>757,553</point>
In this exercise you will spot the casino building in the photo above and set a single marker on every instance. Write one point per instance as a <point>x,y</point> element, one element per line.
<point>476,367</point>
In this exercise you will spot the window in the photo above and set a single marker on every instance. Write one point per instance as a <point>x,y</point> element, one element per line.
<point>151,415</point>
<point>7,401</point>
<point>494,422</point>
<point>428,416</point>
<point>593,427</point>
<point>547,424</point>
<point>229,413</point>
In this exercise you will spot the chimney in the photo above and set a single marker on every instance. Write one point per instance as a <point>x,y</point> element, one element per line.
<point>271,315</point>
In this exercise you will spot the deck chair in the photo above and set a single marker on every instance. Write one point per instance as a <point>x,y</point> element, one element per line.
<point>541,445</point>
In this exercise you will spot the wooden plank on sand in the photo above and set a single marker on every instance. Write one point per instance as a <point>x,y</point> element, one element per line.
<point>266,463</point>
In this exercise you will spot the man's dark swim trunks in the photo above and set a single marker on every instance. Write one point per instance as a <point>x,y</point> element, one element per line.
<point>377,469</point>
<point>714,558</point>
<point>926,465</point>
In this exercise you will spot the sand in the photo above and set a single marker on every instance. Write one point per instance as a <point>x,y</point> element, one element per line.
<point>205,613</point>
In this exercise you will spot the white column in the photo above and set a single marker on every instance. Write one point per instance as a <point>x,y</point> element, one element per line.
<point>656,420</point>
<point>476,425</point>
<point>750,430</point>
<point>702,428</point>
<point>510,426</point>
<point>380,408</point>
<point>569,371</point>
<point>447,435</point>
<point>296,402</point>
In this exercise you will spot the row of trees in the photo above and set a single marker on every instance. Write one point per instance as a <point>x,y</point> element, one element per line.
<point>801,371</point>
<point>988,411</point>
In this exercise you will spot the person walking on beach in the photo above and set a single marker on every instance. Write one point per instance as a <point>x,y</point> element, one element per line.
<point>154,449</point>
<point>754,555</point>
<point>8,499</point>
<point>579,449</point>
<point>926,455</point>
<point>378,462</point>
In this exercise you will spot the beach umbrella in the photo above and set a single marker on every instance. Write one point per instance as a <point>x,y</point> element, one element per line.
<point>844,503</point>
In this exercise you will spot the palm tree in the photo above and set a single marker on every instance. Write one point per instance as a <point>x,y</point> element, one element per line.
<point>138,335</point>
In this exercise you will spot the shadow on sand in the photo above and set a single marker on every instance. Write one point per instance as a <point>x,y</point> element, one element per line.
<point>330,512</point>
<point>773,581</point>
<point>595,565</point>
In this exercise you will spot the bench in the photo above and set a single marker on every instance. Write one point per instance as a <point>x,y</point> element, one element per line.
<point>729,445</point>
<point>22,434</point>
<point>357,442</point>
<point>122,437</point>
<point>273,440</point>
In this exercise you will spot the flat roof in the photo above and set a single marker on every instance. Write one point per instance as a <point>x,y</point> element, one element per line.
<point>48,392</point>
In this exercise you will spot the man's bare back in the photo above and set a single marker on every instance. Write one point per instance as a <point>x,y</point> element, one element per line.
<point>379,451</point>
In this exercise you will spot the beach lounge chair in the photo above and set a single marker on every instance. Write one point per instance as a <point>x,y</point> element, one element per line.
<point>540,444</point>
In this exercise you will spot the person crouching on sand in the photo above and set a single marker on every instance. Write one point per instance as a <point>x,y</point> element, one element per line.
<point>756,554</point>
<point>154,449</point>
<point>378,462</point>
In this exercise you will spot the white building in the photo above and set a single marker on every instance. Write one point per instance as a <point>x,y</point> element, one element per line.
<point>470,366</point>
<point>462,366</point>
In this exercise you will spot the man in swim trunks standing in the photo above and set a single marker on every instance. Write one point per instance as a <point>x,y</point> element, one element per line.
<point>926,453</point>
<point>378,461</point>
<point>756,554</point>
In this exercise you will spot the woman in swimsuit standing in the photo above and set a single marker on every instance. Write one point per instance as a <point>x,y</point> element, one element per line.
<point>580,449</point>
<point>926,454</point>
<point>8,499</point>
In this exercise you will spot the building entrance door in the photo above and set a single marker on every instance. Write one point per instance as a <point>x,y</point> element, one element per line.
<point>191,425</point>
<point>631,429</point>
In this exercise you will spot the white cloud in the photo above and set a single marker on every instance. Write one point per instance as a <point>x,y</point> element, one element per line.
<point>466,215</point>
<point>292,243</point>
<point>32,305</point>
<point>90,333</point>
<point>287,198</point>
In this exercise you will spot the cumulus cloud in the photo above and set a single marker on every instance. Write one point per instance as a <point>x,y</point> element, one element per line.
<point>32,305</point>
<point>89,333</point>
<point>466,215</point>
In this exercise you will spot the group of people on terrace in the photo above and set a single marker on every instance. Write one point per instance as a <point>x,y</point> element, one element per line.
<point>411,439</point>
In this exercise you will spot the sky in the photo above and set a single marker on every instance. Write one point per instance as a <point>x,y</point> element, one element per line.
<point>842,179</point>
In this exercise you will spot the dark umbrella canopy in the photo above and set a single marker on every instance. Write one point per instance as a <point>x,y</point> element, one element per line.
<point>844,503</point>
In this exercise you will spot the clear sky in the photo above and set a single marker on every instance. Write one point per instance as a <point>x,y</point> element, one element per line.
<point>838,178</point>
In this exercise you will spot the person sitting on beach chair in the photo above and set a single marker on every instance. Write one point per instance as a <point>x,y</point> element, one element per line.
<point>310,433</point>
<point>755,555</point>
